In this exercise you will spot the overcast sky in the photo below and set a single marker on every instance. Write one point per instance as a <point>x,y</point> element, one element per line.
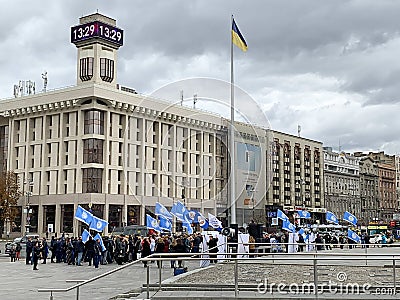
<point>330,66</point>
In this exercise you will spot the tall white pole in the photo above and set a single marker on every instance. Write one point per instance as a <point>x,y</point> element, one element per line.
<point>232,144</point>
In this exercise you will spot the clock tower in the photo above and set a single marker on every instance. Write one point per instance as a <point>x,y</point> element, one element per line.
<point>97,39</point>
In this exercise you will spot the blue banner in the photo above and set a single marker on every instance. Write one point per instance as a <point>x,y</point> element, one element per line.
<point>152,223</point>
<point>98,237</point>
<point>281,215</point>
<point>83,215</point>
<point>353,236</point>
<point>330,217</point>
<point>85,236</point>
<point>350,218</point>
<point>165,224</point>
<point>192,216</point>
<point>303,214</point>
<point>161,210</point>
<point>188,227</point>
<point>286,225</point>
<point>179,211</point>
<point>203,222</point>
<point>98,224</point>
<point>214,222</point>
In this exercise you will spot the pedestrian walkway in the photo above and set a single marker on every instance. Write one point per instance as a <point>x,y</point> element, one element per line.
<point>18,280</point>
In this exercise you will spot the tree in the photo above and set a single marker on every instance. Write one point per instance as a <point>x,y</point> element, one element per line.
<point>9,195</point>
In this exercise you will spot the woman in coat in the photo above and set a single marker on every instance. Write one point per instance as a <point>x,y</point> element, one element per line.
<point>145,249</point>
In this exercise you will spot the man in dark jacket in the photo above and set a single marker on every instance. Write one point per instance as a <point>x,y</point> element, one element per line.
<point>29,248</point>
<point>53,248</point>
<point>45,250</point>
<point>80,248</point>
<point>212,245</point>
<point>36,254</point>
<point>89,249</point>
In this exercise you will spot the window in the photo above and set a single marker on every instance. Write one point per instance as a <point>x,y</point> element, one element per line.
<point>106,69</point>
<point>94,122</point>
<point>86,68</point>
<point>93,151</point>
<point>91,180</point>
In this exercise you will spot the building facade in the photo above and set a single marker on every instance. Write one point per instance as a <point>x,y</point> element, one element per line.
<point>370,206</point>
<point>295,176</point>
<point>342,183</point>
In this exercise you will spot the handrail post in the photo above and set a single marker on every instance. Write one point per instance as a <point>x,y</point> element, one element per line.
<point>159,274</point>
<point>315,277</point>
<point>394,274</point>
<point>77,293</point>
<point>236,278</point>
<point>51,295</point>
<point>366,254</point>
<point>148,281</point>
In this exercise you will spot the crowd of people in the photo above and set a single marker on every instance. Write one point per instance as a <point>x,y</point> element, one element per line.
<point>121,249</point>
<point>117,249</point>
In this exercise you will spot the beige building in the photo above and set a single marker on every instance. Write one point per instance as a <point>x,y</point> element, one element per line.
<point>106,147</point>
<point>296,175</point>
<point>342,183</point>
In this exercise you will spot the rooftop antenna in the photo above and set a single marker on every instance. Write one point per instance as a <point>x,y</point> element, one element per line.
<point>181,97</point>
<point>340,147</point>
<point>194,100</point>
<point>298,130</point>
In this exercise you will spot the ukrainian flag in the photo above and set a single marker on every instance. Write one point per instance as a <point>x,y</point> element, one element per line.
<point>237,37</point>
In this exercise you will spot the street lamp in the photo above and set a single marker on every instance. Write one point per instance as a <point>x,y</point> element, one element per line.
<point>28,211</point>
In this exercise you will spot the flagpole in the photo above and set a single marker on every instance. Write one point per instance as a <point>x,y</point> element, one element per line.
<point>232,143</point>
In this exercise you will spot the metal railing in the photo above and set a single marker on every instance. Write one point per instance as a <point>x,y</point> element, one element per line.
<point>313,255</point>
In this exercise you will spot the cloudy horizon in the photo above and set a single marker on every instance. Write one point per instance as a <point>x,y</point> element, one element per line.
<point>328,66</point>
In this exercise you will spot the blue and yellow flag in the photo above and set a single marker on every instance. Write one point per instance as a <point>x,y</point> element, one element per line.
<point>237,37</point>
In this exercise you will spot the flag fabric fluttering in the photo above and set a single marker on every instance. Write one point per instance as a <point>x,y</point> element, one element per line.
<point>152,223</point>
<point>161,210</point>
<point>98,237</point>
<point>83,215</point>
<point>237,37</point>
<point>286,225</point>
<point>350,218</point>
<point>303,214</point>
<point>85,236</point>
<point>179,211</point>
<point>188,227</point>
<point>330,217</point>
<point>165,224</point>
<point>203,222</point>
<point>98,224</point>
<point>214,222</point>
<point>280,215</point>
<point>192,216</point>
<point>353,236</point>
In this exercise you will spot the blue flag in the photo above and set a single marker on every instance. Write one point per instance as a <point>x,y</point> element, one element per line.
<point>350,218</point>
<point>161,210</point>
<point>98,224</point>
<point>301,231</point>
<point>98,237</point>
<point>192,216</point>
<point>330,217</point>
<point>83,215</point>
<point>188,227</point>
<point>85,236</point>
<point>165,224</point>
<point>281,215</point>
<point>214,222</point>
<point>353,236</point>
<point>152,223</point>
<point>179,210</point>
<point>203,222</point>
<point>286,225</point>
<point>303,214</point>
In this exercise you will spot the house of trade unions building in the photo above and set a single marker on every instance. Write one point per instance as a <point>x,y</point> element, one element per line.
<point>117,153</point>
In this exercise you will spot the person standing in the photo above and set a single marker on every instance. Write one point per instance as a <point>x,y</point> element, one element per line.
<point>80,248</point>
<point>145,249</point>
<point>53,248</point>
<point>36,254</point>
<point>212,246</point>
<point>29,248</point>
<point>45,250</point>
<point>89,249</point>
<point>159,249</point>
<point>18,251</point>
<point>97,253</point>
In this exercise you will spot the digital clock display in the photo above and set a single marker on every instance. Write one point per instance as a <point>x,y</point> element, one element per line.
<point>97,30</point>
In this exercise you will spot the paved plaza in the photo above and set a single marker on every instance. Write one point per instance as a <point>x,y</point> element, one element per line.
<point>19,281</point>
